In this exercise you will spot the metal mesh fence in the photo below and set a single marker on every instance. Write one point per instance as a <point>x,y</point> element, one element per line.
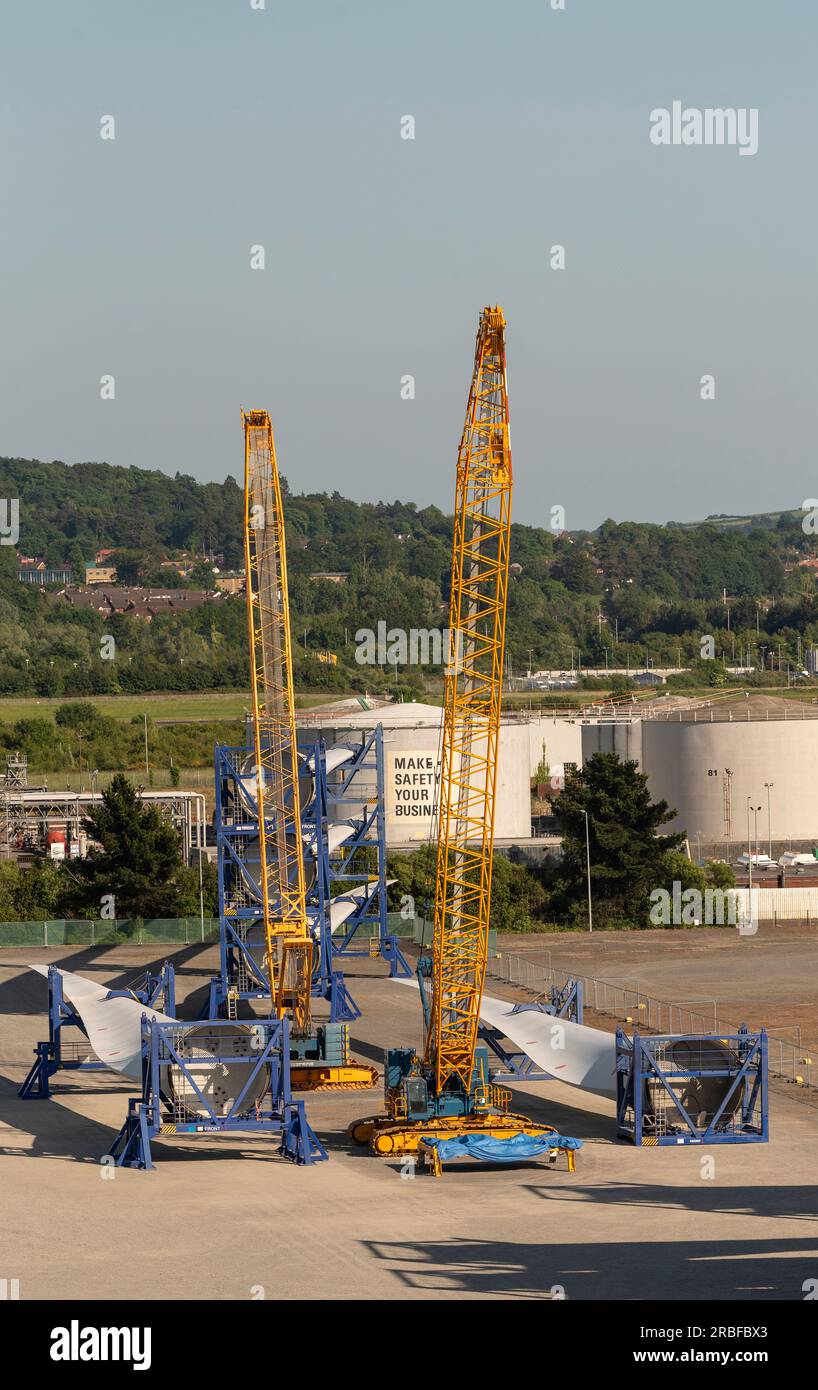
<point>632,1007</point>
<point>181,931</point>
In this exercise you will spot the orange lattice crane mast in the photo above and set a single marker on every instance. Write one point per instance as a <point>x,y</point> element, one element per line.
<point>471,714</point>
<point>288,943</point>
<point>446,1091</point>
<point>315,1062</point>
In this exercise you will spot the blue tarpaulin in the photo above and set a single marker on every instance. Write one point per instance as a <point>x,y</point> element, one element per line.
<point>482,1146</point>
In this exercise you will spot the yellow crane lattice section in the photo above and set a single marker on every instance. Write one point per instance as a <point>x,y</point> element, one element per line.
<point>281,857</point>
<point>471,719</point>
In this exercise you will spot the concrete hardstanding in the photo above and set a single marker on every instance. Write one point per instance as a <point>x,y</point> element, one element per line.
<point>224,1220</point>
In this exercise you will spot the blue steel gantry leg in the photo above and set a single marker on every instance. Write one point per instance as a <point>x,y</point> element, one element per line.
<point>35,1086</point>
<point>342,1006</point>
<point>49,1057</point>
<point>274,1112</point>
<point>653,1084</point>
<point>132,1146</point>
<point>299,1141</point>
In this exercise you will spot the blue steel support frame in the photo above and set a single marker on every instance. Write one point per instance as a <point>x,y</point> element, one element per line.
<point>638,1060</point>
<point>236,925</point>
<point>150,989</point>
<point>241,937</point>
<point>337,798</point>
<point>277,1113</point>
<point>328,983</point>
<point>566,1002</point>
<point>50,1057</point>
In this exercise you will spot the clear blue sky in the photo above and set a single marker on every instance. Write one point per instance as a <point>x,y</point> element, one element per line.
<point>281,127</point>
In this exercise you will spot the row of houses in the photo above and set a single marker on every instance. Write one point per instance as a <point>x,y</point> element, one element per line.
<point>36,570</point>
<point>139,603</point>
<point>33,569</point>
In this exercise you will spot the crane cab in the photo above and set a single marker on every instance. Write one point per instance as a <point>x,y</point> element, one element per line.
<point>410,1093</point>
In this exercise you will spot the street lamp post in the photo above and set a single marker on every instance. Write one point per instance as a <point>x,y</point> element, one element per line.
<point>755,810</point>
<point>769,786</point>
<point>588,868</point>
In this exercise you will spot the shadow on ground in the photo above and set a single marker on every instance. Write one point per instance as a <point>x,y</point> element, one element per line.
<point>638,1270</point>
<point>782,1203</point>
<point>26,991</point>
<point>52,1130</point>
<point>55,1130</point>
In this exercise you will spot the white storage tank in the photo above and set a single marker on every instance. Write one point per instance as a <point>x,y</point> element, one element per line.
<point>771,761</point>
<point>412,735</point>
<point>612,735</point>
<point>555,740</point>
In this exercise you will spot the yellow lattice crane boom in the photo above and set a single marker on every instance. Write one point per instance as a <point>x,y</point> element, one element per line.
<point>447,1092</point>
<point>288,944</point>
<point>471,716</point>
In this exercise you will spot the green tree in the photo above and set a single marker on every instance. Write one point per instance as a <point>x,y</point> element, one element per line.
<point>139,863</point>
<point>679,869</point>
<point>77,560</point>
<point>31,895</point>
<point>9,886</point>
<point>187,885</point>
<point>627,852</point>
<point>77,714</point>
<point>201,575</point>
<point>709,672</point>
<point>719,874</point>
<point>518,899</point>
<point>414,877</point>
<point>576,570</point>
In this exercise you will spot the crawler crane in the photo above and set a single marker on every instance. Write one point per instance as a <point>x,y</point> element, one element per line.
<point>320,1060</point>
<point>446,1091</point>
